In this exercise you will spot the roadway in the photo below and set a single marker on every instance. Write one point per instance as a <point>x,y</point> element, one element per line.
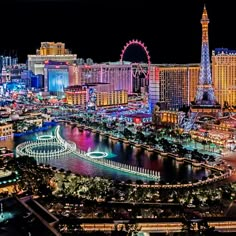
<point>231,210</point>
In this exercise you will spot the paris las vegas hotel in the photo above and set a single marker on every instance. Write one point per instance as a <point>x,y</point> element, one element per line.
<point>173,85</point>
<point>176,85</point>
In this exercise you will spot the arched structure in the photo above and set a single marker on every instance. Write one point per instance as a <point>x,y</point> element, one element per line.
<point>46,147</point>
<point>139,68</point>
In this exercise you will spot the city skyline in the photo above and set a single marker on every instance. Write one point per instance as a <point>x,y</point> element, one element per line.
<point>99,30</point>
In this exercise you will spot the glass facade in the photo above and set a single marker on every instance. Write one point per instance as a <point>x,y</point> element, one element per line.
<point>58,79</point>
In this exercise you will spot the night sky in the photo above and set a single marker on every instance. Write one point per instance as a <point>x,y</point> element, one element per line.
<point>171,30</point>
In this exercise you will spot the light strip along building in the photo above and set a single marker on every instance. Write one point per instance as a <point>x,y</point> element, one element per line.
<point>172,85</point>
<point>224,75</point>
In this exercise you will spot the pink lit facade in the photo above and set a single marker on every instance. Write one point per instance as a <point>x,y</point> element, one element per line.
<point>74,75</point>
<point>119,76</point>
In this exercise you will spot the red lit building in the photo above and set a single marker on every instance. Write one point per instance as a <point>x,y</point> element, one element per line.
<point>138,118</point>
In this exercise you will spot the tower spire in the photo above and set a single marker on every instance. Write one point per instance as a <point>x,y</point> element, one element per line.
<point>205,21</point>
<point>205,92</point>
<point>205,100</point>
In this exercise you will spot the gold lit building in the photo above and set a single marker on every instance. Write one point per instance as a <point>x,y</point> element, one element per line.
<point>79,95</point>
<point>5,130</point>
<point>224,75</point>
<point>52,48</point>
<point>76,95</point>
<point>38,122</point>
<point>112,98</point>
<point>49,51</point>
<point>193,75</point>
<point>171,118</point>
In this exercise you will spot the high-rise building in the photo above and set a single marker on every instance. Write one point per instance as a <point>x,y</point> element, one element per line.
<point>49,51</point>
<point>112,98</point>
<point>224,75</point>
<point>172,86</point>
<point>116,74</point>
<point>80,95</point>
<point>205,101</point>
<point>77,95</point>
<point>154,87</point>
<point>193,75</point>
<point>6,61</point>
<point>56,77</point>
<point>74,75</point>
<point>52,48</point>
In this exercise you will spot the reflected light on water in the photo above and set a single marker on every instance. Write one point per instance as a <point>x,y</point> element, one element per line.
<point>190,168</point>
<point>120,152</point>
<point>177,164</point>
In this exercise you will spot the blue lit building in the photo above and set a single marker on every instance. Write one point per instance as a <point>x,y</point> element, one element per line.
<point>56,77</point>
<point>37,81</point>
<point>7,61</point>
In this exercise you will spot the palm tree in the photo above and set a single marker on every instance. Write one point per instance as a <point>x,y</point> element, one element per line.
<point>61,170</point>
<point>68,172</point>
<point>187,226</point>
<point>212,146</point>
<point>132,229</point>
<point>204,142</point>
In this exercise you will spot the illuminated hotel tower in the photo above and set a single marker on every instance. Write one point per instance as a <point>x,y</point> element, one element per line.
<point>172,85</point>
<point>205,100</point>
<point>119,76</point>
<point>224,74</point>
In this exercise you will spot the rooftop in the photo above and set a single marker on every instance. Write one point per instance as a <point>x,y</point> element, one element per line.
<point>19,217</point>
<point>139,115</point>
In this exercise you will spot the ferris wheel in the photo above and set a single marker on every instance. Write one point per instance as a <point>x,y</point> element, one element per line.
<point>139,69</point>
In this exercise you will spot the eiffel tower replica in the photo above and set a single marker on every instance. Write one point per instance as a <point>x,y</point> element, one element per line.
<point>205,102</point>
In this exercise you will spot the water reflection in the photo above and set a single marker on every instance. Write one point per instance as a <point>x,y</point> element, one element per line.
<point>86,140</point>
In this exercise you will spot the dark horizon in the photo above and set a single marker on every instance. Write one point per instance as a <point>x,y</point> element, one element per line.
<point>171,31</point>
